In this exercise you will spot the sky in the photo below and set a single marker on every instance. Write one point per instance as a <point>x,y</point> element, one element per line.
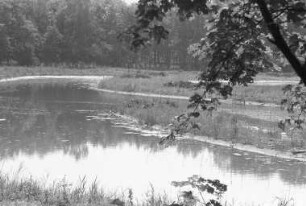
<point>130,1</point>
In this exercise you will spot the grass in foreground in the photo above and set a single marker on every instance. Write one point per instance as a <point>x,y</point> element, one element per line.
<point>31,192</point>
<point>28,192</point>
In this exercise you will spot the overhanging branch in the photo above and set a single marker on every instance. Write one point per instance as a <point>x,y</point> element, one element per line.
<point>280,42</point>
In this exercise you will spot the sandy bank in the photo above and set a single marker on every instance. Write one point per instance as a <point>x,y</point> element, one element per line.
<point>92,81</point>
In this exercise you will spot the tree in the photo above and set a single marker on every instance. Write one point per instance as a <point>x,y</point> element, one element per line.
<point>241,39</point>
<point>81,32</point>
<point>51,51</point>
<point>4,44</point>
<point>73,22</point>
<point>234,27</point>
<point>27,40</point>
<point>4,37</point>
<point>19,34</point>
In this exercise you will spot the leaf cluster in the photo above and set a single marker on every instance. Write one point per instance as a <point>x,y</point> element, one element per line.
<point>295,103</point>
<point>242,39</point>
<point>202,186</point>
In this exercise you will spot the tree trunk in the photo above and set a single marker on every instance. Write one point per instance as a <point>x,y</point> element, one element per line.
<point>280,42</point>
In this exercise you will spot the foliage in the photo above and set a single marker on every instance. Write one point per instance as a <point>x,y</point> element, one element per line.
<point>180,84</point>
<point>295,104</point>
<point>19,36</point>
<point>54,32</point>
<point>201,185</point>
<point>239,34</point>
<point>242,38</point>
<point>83,32</point>
<point>51,52</point>
<point>4,44</point>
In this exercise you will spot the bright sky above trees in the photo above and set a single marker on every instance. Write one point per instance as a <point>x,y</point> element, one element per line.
<point>130,1</point>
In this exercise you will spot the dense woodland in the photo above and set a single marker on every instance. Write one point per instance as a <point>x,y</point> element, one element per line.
<point>87,32</point>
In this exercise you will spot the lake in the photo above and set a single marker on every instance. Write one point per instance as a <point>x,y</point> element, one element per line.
<point>51,132</point>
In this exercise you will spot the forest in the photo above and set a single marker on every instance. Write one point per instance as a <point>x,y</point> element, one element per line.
<point>88,32</point>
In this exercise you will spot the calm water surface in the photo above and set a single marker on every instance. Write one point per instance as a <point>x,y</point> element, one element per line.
<point>51,132</point>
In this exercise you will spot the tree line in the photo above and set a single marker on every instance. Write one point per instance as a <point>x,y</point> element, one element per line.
<point>85,32</point>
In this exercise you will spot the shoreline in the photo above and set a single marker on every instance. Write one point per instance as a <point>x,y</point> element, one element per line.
<point>229,101</point>
<point>158,131</point>
<point>94,80</point>
<point>251,148</point>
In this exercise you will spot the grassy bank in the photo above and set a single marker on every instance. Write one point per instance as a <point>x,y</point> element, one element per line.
<point>220,125</point>
<point>8,72</point>
<point>177,83</point>
<point>158,82</point>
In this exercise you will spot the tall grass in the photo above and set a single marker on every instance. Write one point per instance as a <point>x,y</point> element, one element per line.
<point>177,83</point>
<point>29,192</point>
<point>33,193</point>
<point>258,93</point>
<point>148,82</point>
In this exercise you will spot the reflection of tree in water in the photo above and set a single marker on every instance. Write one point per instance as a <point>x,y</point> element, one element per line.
<point>68,131</point>
<point>193,148</point>
<point>293,173</point>
<point>54,91</point>
<point>259,165</point>
<point>42,126</point>
<point>77,151</point>
<point>229,160</point>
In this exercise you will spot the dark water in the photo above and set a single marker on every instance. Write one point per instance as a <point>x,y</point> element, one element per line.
<point>51,132</point>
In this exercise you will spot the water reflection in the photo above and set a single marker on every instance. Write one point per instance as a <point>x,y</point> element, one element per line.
<point>50,131</point>
<point>53,129</point>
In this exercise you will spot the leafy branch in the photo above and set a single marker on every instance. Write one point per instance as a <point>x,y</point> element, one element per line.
<point>295,104</point>
<point>214,188</point>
